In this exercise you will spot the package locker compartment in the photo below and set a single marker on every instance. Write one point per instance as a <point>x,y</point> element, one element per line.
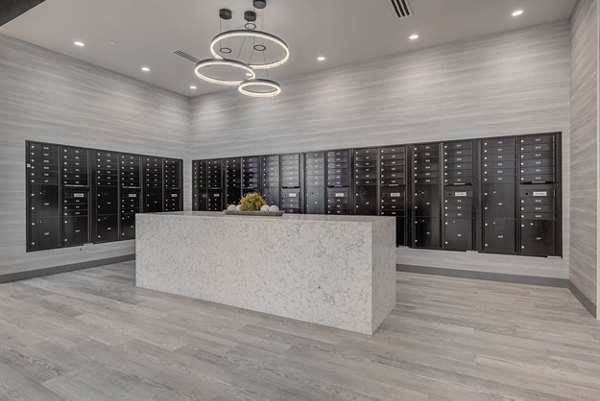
<point>130,170</point>
<point>75,179</point>
<point>427,200</point>
<point>338,201</point>
<point>127,227</point>
<point>214,200</point>
<point>233,193</point>
<point>459,145</point>
<point>271,195</point>
<point>536,139</point>
<point>44,233</point>
<point>200,200</point>
<point>459,166</point>
<point>43,177</point>
<point>426,232</point>
<point>75,231</point>
<point>43,201</point>
<point>499,201</point>
<point>365,155</point>
<point>495,151</point>
<point>107,201</point>
<point>499,236</point>
<point>172,200</point>
<point>153,201</point>
<point>107,228</point>
<point>291,201</point>
<point>130,179</point>
<point>130,201</point>
<point>315,200</point>
<point>458,234</point>
<point>365,200</point>
<point>75,203</point>
<point>537,237</point>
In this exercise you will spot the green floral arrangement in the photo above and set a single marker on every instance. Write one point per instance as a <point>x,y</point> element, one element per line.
<point>252,202</point>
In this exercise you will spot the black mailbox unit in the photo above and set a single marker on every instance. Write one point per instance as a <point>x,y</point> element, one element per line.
<point>233,180</point>
<point>214,179</point>
<point>199,185</point>
<point>366,178</point>
<point>393,188</point>
<point>459,191</point>
<point>75,166</point>
<point>131,193</point>
<point>106,175</point>
<point>153,184</point>
<point>291,183</point>
<point>44,214</point>
<point>270,179</point>
<point>427,183</point>
<point>338,182</point>
<point>539,200</point>
<point>173,188</point>
<point>499,177</point>
<point>250,174</point>
<point>315,177</point>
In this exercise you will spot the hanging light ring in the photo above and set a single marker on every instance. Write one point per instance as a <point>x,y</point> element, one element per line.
<point>222,63</point>
<point>256,35</point>
<point>246,88</point>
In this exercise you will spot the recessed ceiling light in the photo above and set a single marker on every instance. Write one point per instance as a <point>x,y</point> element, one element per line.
<point>248,74</point>
<point>516,13</point>
<point>413,36</point>
<point>321,58</point>
<point>79,43</point>
<point>145,69</point>
<point>193,87</point>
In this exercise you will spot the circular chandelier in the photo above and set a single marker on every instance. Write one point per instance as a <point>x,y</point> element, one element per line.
<point>259,88</point>
<point>204,64</point>
<point>254,43</point>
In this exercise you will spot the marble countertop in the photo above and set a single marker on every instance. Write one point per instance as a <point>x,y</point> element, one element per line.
<point>285,218</point>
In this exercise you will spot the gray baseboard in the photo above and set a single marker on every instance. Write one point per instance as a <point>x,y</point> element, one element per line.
<point>507,278</point>
<point>7,278</point>
<point>585,301</point>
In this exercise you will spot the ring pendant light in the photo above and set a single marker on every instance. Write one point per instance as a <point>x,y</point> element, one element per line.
<point>223,63</point>
<point>245,88</point>
<point>256,35</point>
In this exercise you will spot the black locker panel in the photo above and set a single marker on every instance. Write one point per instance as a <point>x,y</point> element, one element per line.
<point>426,200</point>
<point>270,179</point>
<point>130,205</point>
<point>106,217</point>
<point>233,180</point>
<point>75,202</point>
<point>499,236</point>
<point>427,196</point>
<point>43,201</point>
<point>107,200</point>
<point>366,178</point>
<point>75,167</point>
<point>250,174</point>
<point>75,231</point>
<point>44,233</point>
<point>173,200</point>
<point>199,185</point>
<point>127,227</point>
<point>426,233</point>
<point>107,228</point>
<point>214,180</point>
<point>172,172</point>
<point>130,170</point>
<point>315,179</point>
<point>537,220</point>
<point>338,181</point>
<point>458,234</point>
<point>153,200</point>
<point>393,199</point>
<point>291,183</point>
<point>153,184</point>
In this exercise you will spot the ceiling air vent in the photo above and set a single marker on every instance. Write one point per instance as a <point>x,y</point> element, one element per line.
<point>186,56</point>
<point>401,8</point>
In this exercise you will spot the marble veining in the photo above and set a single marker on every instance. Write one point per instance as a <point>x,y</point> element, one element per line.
<point>331,270</point>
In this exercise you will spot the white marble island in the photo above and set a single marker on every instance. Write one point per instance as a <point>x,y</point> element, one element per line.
<point>337,271</point>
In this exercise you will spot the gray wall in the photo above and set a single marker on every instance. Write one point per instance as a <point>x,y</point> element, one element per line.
<point>45,96</point>
<point>508,84</point>
<point>584,148</point>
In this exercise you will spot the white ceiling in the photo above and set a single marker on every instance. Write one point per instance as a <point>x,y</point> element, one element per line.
<point>345,31</point>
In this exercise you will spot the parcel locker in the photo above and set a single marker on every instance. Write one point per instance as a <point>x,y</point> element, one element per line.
<point>250,174</point>
<point>199,185</point>
<point>314,174</point>
<point>153,200</point>
<point>338,201</point>
<point>233,180</point>
<point>172,201</point>
<point>43,201</point>
<point>366,178</point>
<point>458,234</point>
<point>127,227</point>
<point>538,216</point>
<point>537,237</point>
<point>44,233</point>
<point>75,231</point>
<point>426,233</point>
<point>107,228</point>
<point>499,236</point>
<point>426,200</point>
<point>107,200</point>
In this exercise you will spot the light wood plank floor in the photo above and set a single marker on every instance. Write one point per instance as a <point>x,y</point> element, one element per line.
<point>91,335</point>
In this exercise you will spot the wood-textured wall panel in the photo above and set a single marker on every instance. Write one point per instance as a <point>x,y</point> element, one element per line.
<point>584,148</point>
<point>52,98</point>
<point>508,84</point>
